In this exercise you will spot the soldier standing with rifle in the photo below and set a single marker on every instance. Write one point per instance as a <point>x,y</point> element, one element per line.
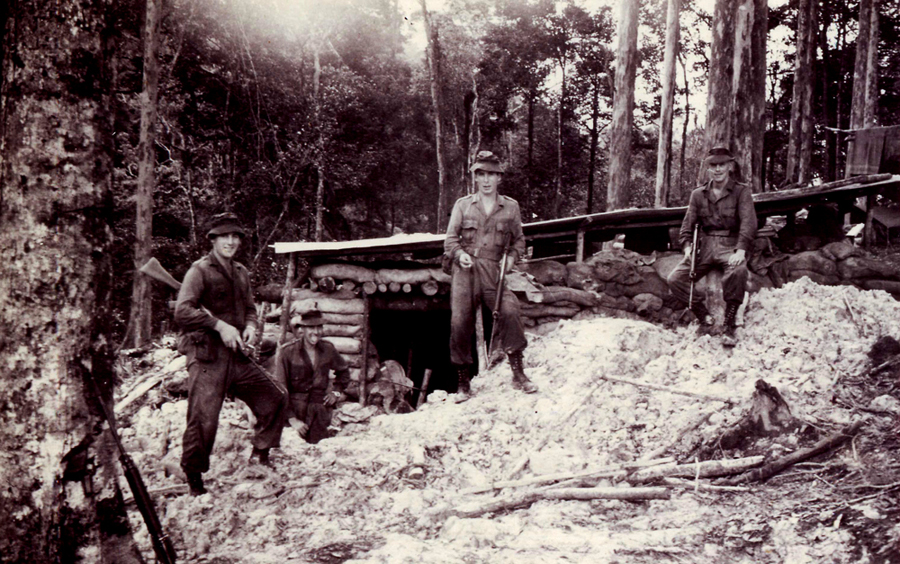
<point>480,227</point>
<point>217,316</point>
<point>723,211</point>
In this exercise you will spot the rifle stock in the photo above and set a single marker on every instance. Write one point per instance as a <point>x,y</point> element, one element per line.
<point>156,271</point>
<point>495,314</point>
<point>693,274</point>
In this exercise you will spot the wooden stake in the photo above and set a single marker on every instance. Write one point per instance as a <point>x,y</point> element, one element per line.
<point>424,391</point>
<point>364,375</point>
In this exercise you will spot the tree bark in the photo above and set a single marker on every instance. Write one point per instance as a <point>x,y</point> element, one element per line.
<point>720,100</point>
<point>664,152</point>
<point>557,195</point>
<point>623,108</point>
<point>56,278</point>
<point>433,54</point>
<point>140,326</point>
<point>807,129</point>
<point>861,68</point>
<point>801,77</point>
<point>595,137</point>
<point>749,89</point>
<point>320,145</point>
<point>872,68</point>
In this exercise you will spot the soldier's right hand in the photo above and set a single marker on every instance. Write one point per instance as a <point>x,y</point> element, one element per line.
<point>230,335</point>
<point>687,251</point>
<point>299,426</point>
<point>465,260</point>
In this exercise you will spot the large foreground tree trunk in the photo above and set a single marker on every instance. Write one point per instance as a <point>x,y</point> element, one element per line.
<point>749,82</point>
<point>623,108</point>
<point>720,101</point>
<point>140,327</point>
<point>55,176</point>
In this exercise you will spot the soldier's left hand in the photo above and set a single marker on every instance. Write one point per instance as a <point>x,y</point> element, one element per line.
<point>249,334</point>
<point>332,398</point>
<point>737,258</point>
<point>510,263</point>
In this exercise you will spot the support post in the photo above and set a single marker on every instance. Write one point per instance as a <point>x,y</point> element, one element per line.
<point>579,248</point>
<point>869,233</point>
<point>364,375</point>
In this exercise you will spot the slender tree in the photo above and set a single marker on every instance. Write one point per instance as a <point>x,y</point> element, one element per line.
<point>433,55</point>
<point>623,107</point>
<point>664,152</point>
<point>140,325</point>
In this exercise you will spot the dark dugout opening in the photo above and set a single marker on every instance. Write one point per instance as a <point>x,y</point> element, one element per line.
<point>419,340</point>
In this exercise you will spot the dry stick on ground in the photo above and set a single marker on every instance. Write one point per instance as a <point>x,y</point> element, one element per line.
<point>705,469</point>
<point>669,390</point>
<point>703,487</point>
<point>522,462</point>
<point>527,498</point>
<point>862,332</point>
<point>779,464</point>
<point>604,472</point>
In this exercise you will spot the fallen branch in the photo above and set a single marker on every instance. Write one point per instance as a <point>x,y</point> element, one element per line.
<point>705,469</point>
<point>703,487</point>
<point>777,465</point>
<point>525,499</point>
<point>603,472</point>
<point>666,389</point>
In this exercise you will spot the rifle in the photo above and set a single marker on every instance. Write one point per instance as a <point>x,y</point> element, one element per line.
<point>162,544</point>
<point>496,313</point>
<point>693,273</point>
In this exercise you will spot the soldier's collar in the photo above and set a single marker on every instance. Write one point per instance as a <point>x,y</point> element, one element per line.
<point>476,197</point>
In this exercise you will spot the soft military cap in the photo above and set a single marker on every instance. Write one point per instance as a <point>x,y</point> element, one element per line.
<point>223,224</point>
<point>718,155</point>
<point>486,160</point>
<point>310,318</point>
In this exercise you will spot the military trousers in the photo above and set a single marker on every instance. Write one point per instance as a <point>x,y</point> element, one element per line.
<point>714,253</point>
<point>226,372</point>
<point>470,288</point>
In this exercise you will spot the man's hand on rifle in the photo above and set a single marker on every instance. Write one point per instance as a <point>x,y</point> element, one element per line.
<point>230,335</point>
<point>465,260</point>
<point>687,252</point>
<point>510,262</point>
<point>249,334</point>
<point>737,258</point>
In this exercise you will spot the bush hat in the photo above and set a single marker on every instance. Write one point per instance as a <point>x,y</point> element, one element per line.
<point>223,224</point>
<point>311,318</point>
<point>486,160</point>
<point>718,155</point>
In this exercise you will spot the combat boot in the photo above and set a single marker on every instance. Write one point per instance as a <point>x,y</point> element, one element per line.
<point>463,388</point>
<point>704,318</point>
<point>195,482</point>
<point>260,455</point>
<point>520,380</point>
<point>728,338</point>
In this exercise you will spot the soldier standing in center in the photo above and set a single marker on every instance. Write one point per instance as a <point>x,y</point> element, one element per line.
<point>481,226</point>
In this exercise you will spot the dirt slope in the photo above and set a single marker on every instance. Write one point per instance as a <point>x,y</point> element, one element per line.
<point>351,498</point>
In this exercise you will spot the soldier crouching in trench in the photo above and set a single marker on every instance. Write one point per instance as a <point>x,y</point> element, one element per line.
<point>217,317</point>
<point>723,209</point>
<point>304,367</point>
<point>481,225</point>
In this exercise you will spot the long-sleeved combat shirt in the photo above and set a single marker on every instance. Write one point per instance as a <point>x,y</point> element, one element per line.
<point>302,376</point>
<point>224,292</point>
<point>472,230</point>
<point>733,212</point>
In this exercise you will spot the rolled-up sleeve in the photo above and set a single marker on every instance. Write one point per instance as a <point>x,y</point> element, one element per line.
<point>188,313</point>
<point>451,241</point>
<point>685,235</point>
<point>747,216</point>
<point>518,236</point>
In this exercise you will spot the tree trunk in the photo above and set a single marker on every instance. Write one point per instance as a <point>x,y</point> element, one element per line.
<point>56,278</point>
<point>320,142</point>
<point>140,326</point>
<point>720,99</point>
<point>801,77</point>
<point>807,130</point>
<point>872,68</point>
<point>865,72</point>
<point>749,86</point>
<point>557,195</point>
<point>433,53</point>
<point>684,128</point>
<point>664,152</point>
<point>623,108</point>
<point>595,136</point>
